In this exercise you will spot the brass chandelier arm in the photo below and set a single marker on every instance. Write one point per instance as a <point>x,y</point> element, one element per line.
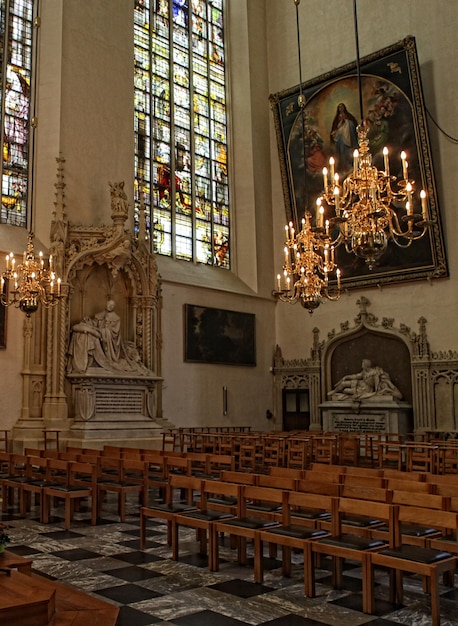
<point>30,283</point>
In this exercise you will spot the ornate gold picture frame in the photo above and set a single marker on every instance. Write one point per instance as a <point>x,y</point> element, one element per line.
<point>393,107</point>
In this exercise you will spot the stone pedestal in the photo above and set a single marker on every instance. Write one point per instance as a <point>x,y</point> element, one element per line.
<point>106,406</point>
<point>371,415</point>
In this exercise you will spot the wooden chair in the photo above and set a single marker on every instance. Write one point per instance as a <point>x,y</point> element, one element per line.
<point>359,480</point>
<point>259,508</point>
<point>349,449</point>
<point>367,523</point>
<point>415,534</point>
<point>285,483</point>
<point>189,486</point>
<point>399,484</point>
<point>447,458</point>
<point>420,456</point>
<point>132,453</point>
<point>333,476</point>
<point>219,501</point>
<point>214,464</point>
<point>94,452</point>
<point>121,476</point>
<point>76,449</point>
<point>49,453</point>
<point>423,561</point>
<point>390,472</point>
<point>298,453</point>
<point>288,472</point>
<point>442,479</point>
<point>171,440</point>
<point>15,478</point>
<point>390,451</point>
<point>324,449</point>
<point>329,469</point>
<point>341,546</point>
<point>37,479</point>
<point>239,478</point>
<point>291,533</point>
<point>160,471</point>
<point>320,488</point>
<point>69,456</point>
<point>51,438</point>
<point>4,440</point>
<point>273,452</point>
<point>250,454</point>
<point>368,451</point>
<point>114,452</point>
<point>80,482</point>
<point>33,451</point>
<point>355,470</point>
<point>5,458</point>
<point>225,444</point>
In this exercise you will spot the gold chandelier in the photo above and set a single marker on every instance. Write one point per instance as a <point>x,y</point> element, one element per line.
<point>309,260</point>
<point>309,252</point>
<point>364,211</point>
<point>368,209</point>
<point>27,284</point>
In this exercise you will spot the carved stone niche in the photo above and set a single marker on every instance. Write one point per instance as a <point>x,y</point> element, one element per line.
<point>112,339</point>
<point>367,378</point>
<point>427,380</point>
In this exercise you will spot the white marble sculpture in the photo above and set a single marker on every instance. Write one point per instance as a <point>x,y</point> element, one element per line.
<point>371,382</point>
<point>97,343</point>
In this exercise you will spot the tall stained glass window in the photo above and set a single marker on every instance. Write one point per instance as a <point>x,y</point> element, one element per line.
<point>16,33</point>
<point>181,128</point>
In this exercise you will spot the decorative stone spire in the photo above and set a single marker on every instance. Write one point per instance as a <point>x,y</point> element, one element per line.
<point>142,234</point>
<point>59,224</point>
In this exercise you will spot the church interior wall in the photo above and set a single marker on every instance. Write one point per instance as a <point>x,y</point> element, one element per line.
<point>327,41</point>
<point>85,114</point>
<point>193,392</point>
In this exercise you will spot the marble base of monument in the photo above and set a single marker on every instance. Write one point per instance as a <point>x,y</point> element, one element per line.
<point>365,416</point>
<point>114,407</point>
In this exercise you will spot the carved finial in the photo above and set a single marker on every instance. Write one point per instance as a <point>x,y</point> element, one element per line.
<point>278,358</point>
<point>316,346</point>
<point>59,224</point>
<point>363,303</point>
<point>422,347</point>
<point>119,205</point>
<point>142,234</point>
<point>59,204</point>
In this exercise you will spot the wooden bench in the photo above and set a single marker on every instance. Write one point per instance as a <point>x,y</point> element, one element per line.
<point>13,561</point>
<point>36,601</point>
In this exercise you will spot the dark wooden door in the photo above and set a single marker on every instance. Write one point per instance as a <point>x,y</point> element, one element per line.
<point>296,409</point>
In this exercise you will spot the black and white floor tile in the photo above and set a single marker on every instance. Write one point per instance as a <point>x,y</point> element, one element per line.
<point>150,588</point>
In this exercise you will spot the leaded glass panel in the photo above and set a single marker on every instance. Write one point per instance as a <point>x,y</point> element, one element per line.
<point>16,26</point>
<point>181,127</point>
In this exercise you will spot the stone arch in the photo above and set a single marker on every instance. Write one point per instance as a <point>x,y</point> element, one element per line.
<point>384,348</point>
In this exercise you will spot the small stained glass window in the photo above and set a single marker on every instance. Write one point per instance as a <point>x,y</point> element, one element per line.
<point>16,39</point>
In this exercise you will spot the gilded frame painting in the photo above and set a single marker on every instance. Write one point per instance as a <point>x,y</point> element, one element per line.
<point>219,336</point>
<point>393,106</point>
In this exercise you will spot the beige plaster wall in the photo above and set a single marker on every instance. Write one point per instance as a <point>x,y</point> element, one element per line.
<point>193,392</point>
<point>85,113</point>
<point>327,41</point>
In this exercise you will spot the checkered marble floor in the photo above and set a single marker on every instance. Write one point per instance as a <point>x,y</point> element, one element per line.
<point>150,588</point>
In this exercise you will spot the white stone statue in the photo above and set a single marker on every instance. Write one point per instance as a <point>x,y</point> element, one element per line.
<point>96,343</point>
<point>370,383</point>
